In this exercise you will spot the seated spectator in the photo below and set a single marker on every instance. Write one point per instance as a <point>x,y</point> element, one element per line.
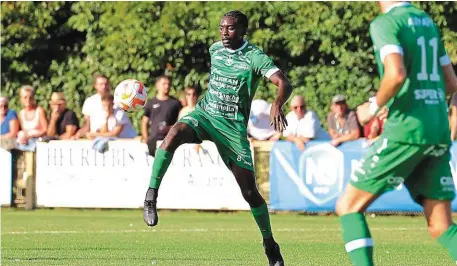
<point>160,114</point>
<point>32,120</point>
<point>191,94</point>
<point>116,122</point>
<point>63,122</point>
<point>259,127</point>
<point>303,125</point>
<point>342,122</point>
<point>453,116</point>
<point>373,129</point>
<point>8,117</point>
<point>92,107</point>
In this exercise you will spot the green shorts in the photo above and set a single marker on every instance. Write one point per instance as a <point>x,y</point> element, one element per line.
<point>424,169</point>
<point>230,137</point>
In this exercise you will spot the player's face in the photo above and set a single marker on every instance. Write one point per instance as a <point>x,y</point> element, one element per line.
<point>101,85</point>
<point>163,86</point>
<point>231,33</point>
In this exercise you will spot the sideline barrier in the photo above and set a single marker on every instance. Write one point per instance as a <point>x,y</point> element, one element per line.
<point>313,180</point>
<point>72,174</point>
<point>6,177</point>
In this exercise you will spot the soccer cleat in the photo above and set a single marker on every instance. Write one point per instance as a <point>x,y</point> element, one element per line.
<point>273,252</point>
<point>150,207</point>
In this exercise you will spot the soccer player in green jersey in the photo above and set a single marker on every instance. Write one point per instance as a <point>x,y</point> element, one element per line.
<point>414,147</point>
<point>222,116</point>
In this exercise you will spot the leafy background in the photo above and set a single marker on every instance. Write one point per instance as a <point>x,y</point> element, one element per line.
<point>323,47</point>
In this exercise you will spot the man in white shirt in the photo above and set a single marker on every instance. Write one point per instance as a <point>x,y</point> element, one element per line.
<point>259,127</point>
<point>92,107</point>
<point>303,125</point>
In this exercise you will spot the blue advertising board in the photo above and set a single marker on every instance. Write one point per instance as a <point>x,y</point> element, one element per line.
<point>313,180</point>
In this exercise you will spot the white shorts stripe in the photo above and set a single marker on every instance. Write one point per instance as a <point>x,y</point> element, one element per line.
<point>358,243</point>
<point>445,60</point>
<point>390,49</point>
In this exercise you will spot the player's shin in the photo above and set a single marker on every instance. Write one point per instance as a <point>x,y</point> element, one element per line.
<point>357,239</point>
<point>161,162</point>
<point>262,219</point>
<point>449,241</point>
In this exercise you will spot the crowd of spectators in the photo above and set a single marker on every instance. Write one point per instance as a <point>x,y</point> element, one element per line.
<point>103,121</point>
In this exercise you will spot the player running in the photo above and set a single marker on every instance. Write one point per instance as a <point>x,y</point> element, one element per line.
<point>222,116</point>
<point>414,147</point>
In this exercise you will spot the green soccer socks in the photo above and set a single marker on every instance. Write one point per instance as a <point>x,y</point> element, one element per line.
<point>357,239</point>
<point>262,218</point>
<point>161,162</point>
<point>449,241</point>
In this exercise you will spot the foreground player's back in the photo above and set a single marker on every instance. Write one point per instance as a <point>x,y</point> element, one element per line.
<point>418,113</point>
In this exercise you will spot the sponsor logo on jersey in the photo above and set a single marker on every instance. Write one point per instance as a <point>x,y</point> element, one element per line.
<point>395,181</point>
<point>420,21</point>
<point>218,109</point>
<point>430,96</point>
<point>447,183</point>
<point>233,98</point>
<point>242,66</point>
<point>229,61</point>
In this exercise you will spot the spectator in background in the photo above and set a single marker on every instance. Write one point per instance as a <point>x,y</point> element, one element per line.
<point>191,94</point>
<point>342,122</point>
<point>160,114</point>
<point>8,118</point>
<point>259,127</point>
<point>116,122</point>
<point>63,122</point>
<point>453,116</point>
<point>303,125</point>
<point>32,119</point>
<point>92,107</point>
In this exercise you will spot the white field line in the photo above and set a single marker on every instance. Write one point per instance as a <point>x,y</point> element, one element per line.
<point>200,230</point>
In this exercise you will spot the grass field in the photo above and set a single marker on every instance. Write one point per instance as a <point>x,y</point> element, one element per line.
<point>119,237</point>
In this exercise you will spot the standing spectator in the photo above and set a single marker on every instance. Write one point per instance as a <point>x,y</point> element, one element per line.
<point>63,122</point>
<point>116,122</point>
<point>160,114</point>
<point>453,116</point>
<point>303,125</point>
<point>92,107</point>
<point>32,119</point>
<point>8,118</point>
<point>342,122</point>
<point>259,127</point>
<point>191,94</point>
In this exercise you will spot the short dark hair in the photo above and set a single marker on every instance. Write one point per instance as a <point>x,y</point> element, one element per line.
<point>163,77</point>
<point>195,88</point>
<point>107,97</point>
<point>240,18</point>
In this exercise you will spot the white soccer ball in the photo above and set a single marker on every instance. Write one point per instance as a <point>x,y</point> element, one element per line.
<point>130,95</point>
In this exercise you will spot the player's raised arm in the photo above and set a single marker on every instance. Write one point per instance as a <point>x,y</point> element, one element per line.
<point>277,117</point>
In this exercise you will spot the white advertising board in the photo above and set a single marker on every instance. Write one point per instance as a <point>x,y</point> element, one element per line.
<point>5,177</point>
<point>72,174</point>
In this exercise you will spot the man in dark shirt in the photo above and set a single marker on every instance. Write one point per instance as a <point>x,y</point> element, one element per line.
<point>63,122</point>
<point>160,114</point>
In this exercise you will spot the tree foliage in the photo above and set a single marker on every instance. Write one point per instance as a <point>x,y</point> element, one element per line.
<point>323,47</point>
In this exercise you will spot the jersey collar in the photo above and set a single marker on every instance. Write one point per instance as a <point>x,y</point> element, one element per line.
<point>396,5</point>
<point>239,49</point>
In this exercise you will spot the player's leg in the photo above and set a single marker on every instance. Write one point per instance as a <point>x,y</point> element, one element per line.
<point>432,186</point>
<point>383,168</point>
<point>179,134</point>
<point>246,180</point>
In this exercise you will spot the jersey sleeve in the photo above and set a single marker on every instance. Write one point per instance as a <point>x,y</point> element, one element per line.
<point>384,36</point>
<point>263,65</point>
<point>443,57</point>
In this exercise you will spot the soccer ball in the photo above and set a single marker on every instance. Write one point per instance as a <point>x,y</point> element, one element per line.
<point>130,95</point>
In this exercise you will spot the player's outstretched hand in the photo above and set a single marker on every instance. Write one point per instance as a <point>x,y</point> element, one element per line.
<point>363,113</point>
<point>277,118</point>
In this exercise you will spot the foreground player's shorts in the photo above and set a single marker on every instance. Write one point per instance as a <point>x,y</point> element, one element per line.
<point>424,169</point>
<point>230,137</point>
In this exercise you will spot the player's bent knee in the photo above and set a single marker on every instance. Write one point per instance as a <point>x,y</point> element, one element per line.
<point>252,197</point>
<point>344,207</point>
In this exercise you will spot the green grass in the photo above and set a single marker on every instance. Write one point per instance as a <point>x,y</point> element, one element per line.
<point>119,237</point>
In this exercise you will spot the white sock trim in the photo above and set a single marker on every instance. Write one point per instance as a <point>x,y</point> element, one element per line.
<point>358,243</point>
